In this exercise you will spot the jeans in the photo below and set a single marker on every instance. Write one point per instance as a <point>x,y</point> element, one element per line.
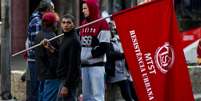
<point>93,83</point>
<point>71,94</point>
<point>49,90</point>
<point>33,83</point>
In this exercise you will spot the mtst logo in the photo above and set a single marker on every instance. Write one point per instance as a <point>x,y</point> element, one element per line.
<point>164,57</point>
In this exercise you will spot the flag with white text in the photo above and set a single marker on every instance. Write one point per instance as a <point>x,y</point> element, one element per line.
<point>153,50</point>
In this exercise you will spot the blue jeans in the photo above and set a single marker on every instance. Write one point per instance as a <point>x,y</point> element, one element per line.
<point>33,83</point>
<point>71,94</point>
<point>49,90</point>
<point>93,83</point>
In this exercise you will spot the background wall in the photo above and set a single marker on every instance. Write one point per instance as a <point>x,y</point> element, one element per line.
<point>19,22</point>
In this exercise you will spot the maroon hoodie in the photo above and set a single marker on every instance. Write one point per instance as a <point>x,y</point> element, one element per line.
<point>93,36</point>
<point>93,9</point>
<point>94,14</point>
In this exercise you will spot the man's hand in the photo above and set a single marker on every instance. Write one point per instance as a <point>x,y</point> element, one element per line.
<point>45,43</point>
<point>64,91</point>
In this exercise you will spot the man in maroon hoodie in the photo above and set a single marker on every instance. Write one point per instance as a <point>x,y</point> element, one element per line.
<point>94,40</point>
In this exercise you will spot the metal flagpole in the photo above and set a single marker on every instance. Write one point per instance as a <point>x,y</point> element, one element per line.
<point>20,52</point>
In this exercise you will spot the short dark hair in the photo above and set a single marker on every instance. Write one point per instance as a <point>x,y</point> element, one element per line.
<point>69,16</point>
<point>44,6</point>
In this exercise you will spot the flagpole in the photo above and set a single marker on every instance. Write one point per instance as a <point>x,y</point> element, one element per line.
<point>95,21</point>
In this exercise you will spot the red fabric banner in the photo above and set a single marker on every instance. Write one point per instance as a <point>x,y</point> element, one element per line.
<point>153,50</point>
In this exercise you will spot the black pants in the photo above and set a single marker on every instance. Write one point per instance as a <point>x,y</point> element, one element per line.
<point>127,90</point>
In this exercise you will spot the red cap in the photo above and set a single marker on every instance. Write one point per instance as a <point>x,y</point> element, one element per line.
<point>50,17</point>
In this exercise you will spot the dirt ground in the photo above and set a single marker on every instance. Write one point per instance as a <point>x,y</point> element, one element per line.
<point>18,87</point>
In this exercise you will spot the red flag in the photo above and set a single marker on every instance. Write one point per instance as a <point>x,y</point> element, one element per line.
<point>151,42</point>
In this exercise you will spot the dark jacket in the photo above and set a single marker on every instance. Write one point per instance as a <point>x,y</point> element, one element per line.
<point>69,59</point>
<point>45,60</point>
<point>112,56</point>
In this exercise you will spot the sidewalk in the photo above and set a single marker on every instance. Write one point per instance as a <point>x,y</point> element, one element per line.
<point>18,66</point>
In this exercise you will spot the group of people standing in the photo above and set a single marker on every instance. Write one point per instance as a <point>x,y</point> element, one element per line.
<point>56,67</point>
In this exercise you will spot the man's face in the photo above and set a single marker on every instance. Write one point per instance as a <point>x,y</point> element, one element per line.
<point>67,24</point>
<point>85,10</point>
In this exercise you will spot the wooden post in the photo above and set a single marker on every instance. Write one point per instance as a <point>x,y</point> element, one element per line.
<point>6,50</point>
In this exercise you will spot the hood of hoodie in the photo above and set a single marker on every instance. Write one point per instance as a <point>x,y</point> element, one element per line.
<point>94,12</point>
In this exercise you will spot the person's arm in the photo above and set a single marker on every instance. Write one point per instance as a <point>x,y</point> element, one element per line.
<point>113,55</point>
<point>116,55</point>
<point>100,49</point>
<point>39,51</point>
<point>73,68</point>
<point>104,40</point>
